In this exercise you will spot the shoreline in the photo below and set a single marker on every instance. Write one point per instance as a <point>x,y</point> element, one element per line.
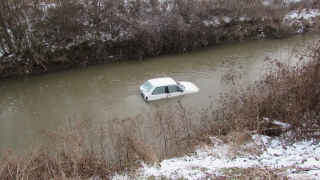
<point>135,34</point>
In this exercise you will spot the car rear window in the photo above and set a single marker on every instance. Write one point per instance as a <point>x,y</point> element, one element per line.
<point>147,86</point>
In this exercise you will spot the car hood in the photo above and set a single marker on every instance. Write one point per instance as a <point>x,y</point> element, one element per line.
<point>189,87</point>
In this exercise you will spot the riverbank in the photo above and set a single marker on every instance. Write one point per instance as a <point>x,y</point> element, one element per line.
<point>264,157</point>
<point>284,104</point>
<point>63,34</point>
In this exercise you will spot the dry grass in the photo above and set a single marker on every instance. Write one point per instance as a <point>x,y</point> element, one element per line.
<point>287,93</point>
<point>89,148</point>
<point>251,173</point>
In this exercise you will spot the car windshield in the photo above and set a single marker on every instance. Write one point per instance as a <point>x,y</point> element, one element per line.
<point>147,86</point>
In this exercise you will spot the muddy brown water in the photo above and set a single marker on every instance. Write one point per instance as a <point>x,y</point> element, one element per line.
<point>102,91</point>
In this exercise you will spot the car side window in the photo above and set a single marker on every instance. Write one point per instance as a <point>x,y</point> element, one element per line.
<point>173,89</point>
<point>159,90</point>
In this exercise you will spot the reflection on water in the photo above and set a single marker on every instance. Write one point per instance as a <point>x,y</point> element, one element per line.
<point>99,92</point>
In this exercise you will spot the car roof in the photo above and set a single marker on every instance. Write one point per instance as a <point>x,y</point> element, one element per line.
<point>162,81</point>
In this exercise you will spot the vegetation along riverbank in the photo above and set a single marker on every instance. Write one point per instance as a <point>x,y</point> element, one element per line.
<point>266,124</point>
<point>40,36</point>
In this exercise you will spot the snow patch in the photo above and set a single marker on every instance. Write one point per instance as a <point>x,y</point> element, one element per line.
<point>303,14</point>
<point>301,159</point>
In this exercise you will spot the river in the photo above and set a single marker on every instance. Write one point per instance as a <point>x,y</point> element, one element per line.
<point>102,91</point>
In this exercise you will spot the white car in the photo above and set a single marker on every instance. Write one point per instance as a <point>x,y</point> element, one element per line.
<point>161,88</point>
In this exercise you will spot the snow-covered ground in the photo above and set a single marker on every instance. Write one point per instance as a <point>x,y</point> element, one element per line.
<point>298,17</point>
<point>299,160</point>
<point>308,15</point>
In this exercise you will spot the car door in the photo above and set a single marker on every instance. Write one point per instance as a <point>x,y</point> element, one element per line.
<point>174,90</point>
<point>159,93</point>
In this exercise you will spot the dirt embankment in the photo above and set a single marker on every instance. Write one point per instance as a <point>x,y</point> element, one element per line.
<point>39,36</point>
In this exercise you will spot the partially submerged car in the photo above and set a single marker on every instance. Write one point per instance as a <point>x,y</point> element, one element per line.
<point>161,88</point>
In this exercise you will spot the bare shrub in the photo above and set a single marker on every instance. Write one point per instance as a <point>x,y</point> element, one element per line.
<point>287,93</point>
<point>295,92</point>
<point>41,36</point>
